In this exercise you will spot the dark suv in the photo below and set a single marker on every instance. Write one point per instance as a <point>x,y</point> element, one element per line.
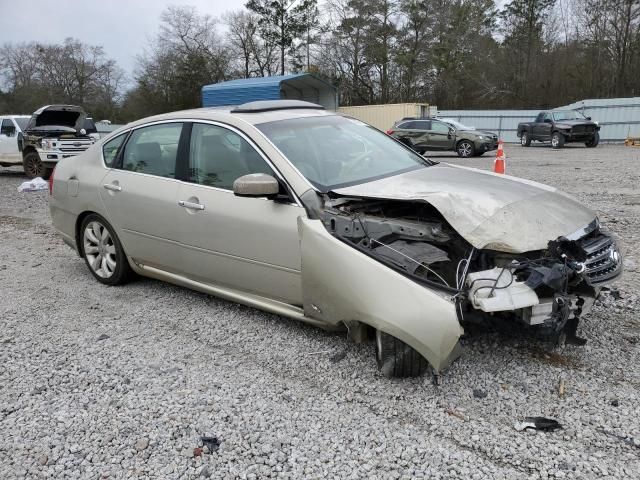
<point>423,134</point>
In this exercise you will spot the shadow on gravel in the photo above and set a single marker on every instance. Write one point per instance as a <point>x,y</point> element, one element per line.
<point>12,173</point>
<point>531,345</point>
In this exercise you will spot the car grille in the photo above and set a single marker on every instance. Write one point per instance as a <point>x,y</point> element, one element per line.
<point>603,260</point>
<point>582,129</point>
<point>74,146</point>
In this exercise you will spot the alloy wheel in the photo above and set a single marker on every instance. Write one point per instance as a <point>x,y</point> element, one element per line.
<point>464,149</point>
<point>523,140</point>
<point>555,141</point>
<point>34,167</point>
<point>99,249</point>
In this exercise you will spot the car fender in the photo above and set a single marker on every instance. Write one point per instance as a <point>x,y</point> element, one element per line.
<point>341,284</point>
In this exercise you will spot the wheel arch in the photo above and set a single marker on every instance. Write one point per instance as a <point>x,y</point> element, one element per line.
<point>341,284</point>
<point>77,233</point>
<point>27,150</point>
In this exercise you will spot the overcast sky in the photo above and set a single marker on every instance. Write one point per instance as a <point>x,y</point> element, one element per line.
<point>122,27</point>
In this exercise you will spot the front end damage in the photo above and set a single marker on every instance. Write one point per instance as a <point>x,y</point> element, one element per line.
<point>547,290</point>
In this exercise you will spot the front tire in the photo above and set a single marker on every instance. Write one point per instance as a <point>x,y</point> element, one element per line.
<point>557,140</point>
<point>595,140</point>
<point>103,252</point>
<point>525,140</point>
<point>465,149</point>
<point>33,166</point>
<point>397,359</point>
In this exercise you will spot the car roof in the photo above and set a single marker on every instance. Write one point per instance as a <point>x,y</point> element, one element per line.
<point>267,111</point>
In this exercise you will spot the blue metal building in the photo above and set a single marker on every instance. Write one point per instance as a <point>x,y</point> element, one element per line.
<point>301,86</point>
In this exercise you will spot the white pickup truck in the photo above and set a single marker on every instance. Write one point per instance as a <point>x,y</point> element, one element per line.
<point>11,128</point>
<point>52,133</point>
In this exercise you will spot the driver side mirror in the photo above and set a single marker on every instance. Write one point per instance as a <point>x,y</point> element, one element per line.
<point>451,132</point>
<point>256,185</point>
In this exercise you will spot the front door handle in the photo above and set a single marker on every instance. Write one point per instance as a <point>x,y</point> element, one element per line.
<point>112,187</point>
<point>191,205</point>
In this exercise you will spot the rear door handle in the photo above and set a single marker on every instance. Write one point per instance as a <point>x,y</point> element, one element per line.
<point>112,187</point>
<point>191,205</point>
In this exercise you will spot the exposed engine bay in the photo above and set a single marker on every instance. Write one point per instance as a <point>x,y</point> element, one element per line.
<point>547,289</point>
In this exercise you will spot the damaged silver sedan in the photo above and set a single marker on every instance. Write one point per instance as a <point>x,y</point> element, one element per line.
<point>289,208</point>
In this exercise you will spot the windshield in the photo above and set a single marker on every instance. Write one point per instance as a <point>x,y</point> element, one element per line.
<point>22,122</point>
<point>334,151</point>
<point>568,115</point>
<point>455,124</point>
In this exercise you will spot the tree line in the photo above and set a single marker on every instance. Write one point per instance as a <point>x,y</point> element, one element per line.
<point>449,53</point>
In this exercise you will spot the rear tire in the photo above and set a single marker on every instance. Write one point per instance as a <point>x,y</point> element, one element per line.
<point>557,140</point>
<point>33,166</point>
<point>593,143</point>
<point>103,252</point>
<point>397,359</point>
<point>525,140</point>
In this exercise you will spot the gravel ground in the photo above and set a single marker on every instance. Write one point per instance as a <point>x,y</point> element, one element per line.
<point>100,382</point>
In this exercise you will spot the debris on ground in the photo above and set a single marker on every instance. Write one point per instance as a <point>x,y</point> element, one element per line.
<point>538,423</point>
<point>561,387</point>
<point>33,185</point>
<point>210,444</point>
<point>479,393</point>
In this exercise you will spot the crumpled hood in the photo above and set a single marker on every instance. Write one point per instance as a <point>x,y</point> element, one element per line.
<point>490,211</point>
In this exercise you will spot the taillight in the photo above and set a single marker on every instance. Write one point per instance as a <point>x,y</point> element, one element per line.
<point>51,181</point>
<point>390,132</point>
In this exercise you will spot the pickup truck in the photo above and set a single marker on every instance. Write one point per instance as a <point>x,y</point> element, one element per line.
<point>54,132</point>
<point>11,128</point>
<point>560,127</point>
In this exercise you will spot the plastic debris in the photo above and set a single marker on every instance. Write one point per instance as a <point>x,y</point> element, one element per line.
<point>33,185</point>
<point>211,443</point>
<point>538,423</point>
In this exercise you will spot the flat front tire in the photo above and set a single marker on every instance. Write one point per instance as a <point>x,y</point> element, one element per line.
<point>397,359</point>
<point>103,252</point>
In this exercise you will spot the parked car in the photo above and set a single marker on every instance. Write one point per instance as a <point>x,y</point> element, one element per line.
<point>560,127</point>
<point>11,128</point>
<point>431,134</point>
<point>54,132</point>
<point>287,207</point>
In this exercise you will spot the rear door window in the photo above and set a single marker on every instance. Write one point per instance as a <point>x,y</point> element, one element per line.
<point>153,150</point>
<point>423,125</point>
<point>439,127</point>
<point>406,125</point>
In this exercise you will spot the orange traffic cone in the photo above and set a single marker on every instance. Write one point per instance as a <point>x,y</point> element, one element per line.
<point>499,164</point>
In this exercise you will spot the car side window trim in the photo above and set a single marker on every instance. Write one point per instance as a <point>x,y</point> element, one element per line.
<point>184,159</point>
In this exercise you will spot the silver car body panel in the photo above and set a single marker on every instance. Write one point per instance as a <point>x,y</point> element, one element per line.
<point>340,284</point>
<point>486,209</point>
